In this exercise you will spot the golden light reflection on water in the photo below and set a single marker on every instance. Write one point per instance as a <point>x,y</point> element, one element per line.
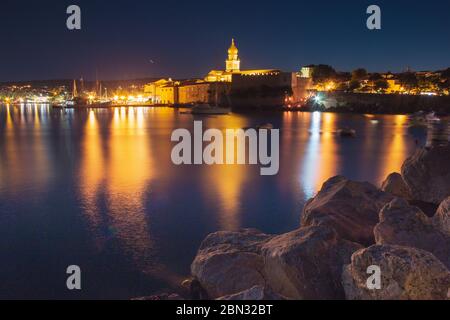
<point>123,151</point>
<point>92,172</point>
<point>120,169</point>
<point>129,171</point>
<point>321,157</point>
<point>396,150</point>
<point>23,126</point>
<point>226,181</point>
<point>324,149</point>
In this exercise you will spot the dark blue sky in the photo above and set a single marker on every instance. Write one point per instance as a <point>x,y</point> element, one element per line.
<point>188,38</point>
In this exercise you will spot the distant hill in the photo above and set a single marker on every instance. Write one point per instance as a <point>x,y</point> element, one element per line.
<point>69,82</point>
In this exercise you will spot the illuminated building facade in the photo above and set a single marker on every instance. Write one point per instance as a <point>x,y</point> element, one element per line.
<point>200,91</point>
<point>306,72</point>
<point>233,64</point>
<point>259,87</point>
<point>163,91</point>
<point>233,67</point>
<point>195,91</point>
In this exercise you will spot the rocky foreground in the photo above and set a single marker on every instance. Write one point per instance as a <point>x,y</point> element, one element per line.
<point>346,228</point>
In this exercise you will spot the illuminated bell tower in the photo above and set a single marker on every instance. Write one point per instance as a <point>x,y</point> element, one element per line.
<point>233,64</point>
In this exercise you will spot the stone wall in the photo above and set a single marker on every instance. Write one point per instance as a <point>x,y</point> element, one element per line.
<point>390,103</point>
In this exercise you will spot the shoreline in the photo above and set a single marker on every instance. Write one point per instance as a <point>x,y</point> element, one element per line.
<point>348,109</point>
<point>345,229</point>
<point>255,110</point>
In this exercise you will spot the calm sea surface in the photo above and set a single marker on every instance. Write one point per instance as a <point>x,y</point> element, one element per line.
<point>97,188</point>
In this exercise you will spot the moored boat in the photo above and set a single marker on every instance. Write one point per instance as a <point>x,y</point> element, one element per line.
<point>347,132</point>
<point>208,109</point>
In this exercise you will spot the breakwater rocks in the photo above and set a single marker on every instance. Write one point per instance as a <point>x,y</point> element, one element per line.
<point>346,229</point>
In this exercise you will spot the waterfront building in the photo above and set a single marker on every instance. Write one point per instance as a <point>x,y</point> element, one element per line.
<point>233,63</point>
<point>193,91</point>
<point>268,88</point>
<point>258,87</point>
<point>232,66</point>
<point>200,91</point>
<point>167,93</point>
<point>162,91</point>
<point>394,85</point>
<point>306,72</point>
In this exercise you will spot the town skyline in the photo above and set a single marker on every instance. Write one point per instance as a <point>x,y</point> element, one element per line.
<point>247,87</point>
<point>97,77</point>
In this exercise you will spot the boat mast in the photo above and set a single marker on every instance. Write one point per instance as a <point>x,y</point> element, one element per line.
<point>74,89</point>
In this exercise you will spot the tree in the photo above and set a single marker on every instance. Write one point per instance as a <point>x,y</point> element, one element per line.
<point>445,75</point>
<point>359,74</point>
<point>381,85</point>
<point>408,80</point>
<point>353,85</point>
<point>343,76</point>
<point>444,85</point>
<point>323,73</point>
<point>375,77</point>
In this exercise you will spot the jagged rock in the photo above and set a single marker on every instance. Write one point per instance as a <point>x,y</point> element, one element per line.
<point>427,174</point>
<point>350,207</point>
<point>229,262</point>
<point>395,185</point>
<point>406,273</point>
<point>302,264</point>
<point>406,225</point>
<point>428,208</point>
<point>194,290</point>
<point>442,217</point>
<point>307,263</point>
<point>254,293</point>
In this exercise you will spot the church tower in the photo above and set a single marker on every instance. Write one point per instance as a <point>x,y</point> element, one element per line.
<point>233,64</point>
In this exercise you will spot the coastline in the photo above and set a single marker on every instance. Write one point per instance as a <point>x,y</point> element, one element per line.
<point>343,103</point>
<point>347,228</point>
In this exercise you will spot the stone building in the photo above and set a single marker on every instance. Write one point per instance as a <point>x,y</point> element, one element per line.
<point>163,91</point>
<point>200,91</point>
<point>260,87</point>
<point>232,66</point>
<point>268,88</point>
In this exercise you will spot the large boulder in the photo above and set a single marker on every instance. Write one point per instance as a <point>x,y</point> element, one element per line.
<point>254,293</point>
<point>442,217</point>
<point>395,185</point>
<point>302,264</point>
<point>406,225</point>
<point>229,262</point>
<point>427,174</point>
<point>406,274</point>
<point>307,263</point>
<point>350,207</point>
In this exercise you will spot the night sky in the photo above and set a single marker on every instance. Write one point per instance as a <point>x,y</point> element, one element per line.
<point>188,38</point>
